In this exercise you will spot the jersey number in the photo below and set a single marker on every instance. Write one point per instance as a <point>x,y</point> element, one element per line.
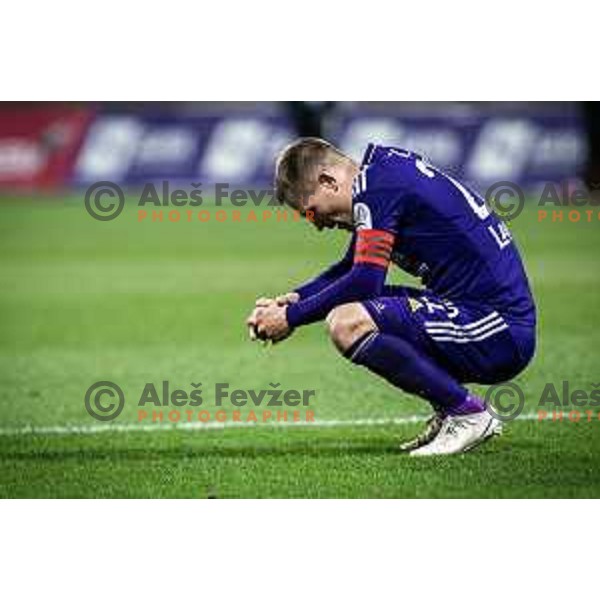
<point>501,233</point>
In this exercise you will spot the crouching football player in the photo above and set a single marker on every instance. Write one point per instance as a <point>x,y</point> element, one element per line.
<point>474,320</point>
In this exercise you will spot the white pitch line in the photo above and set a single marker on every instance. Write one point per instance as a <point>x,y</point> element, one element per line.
<point>214,425</point>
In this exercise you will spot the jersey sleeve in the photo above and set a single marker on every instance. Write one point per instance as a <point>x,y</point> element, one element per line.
<point>379,202</point>
<point>379,207</point>
<point>337,270</point>
<point>362,282</point>
<point>377,213</point>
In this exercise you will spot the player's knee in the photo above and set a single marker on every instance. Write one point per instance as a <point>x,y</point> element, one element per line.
<point>347,323</point>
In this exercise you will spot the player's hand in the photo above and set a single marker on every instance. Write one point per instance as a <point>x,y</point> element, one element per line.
<point>270,322</point>
<point>252,320</point>
<point>282,300</point>
<point>264,301</point>
<point>289,298</point>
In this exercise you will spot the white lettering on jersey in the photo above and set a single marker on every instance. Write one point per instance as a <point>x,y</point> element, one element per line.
<point>359,185</point>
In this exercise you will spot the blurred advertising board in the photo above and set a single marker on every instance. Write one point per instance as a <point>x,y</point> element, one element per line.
<point>131,149</point>
<point>38,147</point>
<point>483,148</point>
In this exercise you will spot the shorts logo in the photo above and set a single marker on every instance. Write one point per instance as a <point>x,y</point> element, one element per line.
<point>414,304</point>
<point>362,216</point>
<point>379,306</point>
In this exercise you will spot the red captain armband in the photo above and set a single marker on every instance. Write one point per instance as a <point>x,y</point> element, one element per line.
<point>373,247</point>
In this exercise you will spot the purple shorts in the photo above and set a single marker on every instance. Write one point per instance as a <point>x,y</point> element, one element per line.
<point>475,344</point>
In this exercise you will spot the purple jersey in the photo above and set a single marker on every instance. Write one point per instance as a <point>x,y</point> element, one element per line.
<point>431,226</point>
<point>443,231</point>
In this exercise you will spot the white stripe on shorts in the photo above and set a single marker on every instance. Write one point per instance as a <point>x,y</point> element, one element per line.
<point>466,340</point>
<point>447,331</point>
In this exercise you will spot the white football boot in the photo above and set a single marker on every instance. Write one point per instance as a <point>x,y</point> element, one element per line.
<point>432,428</point>
<point>461,433</point>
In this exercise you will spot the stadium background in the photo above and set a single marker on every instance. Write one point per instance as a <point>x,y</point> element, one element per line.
<point>45,145</point>
<point>83,301</point>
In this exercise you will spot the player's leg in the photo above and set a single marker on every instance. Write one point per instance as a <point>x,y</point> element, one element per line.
<point>463,421</point>
<point>400,361</point>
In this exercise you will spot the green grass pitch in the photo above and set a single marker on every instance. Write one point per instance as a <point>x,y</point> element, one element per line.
<point>83,301</point>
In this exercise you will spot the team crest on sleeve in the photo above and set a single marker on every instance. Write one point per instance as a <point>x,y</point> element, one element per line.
<point>362,216</point>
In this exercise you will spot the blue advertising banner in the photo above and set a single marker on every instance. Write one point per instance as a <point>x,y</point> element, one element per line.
<point>132,149</point>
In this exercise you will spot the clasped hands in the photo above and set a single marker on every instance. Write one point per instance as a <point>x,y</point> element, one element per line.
<point>268,320</point>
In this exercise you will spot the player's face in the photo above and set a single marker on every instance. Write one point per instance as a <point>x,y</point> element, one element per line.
<point>331,202</point>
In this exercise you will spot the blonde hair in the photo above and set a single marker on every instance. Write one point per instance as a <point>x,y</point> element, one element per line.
<point>296,167</point>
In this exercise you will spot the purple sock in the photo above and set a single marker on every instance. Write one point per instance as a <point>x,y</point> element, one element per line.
<point>403,366</point>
